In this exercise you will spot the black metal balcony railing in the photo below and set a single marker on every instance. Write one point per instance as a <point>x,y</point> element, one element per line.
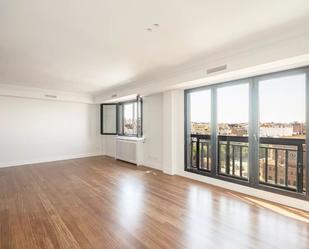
<point>282,163</point>
<point>281,160</point>
<point>233,156</point>
<point>200,152</point>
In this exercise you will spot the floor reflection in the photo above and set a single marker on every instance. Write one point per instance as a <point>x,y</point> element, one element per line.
<point>130,202</point>
<point>286,211</point>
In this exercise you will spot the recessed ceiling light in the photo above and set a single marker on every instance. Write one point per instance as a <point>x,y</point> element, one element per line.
<point>156,25</point>
<point>149,29</point>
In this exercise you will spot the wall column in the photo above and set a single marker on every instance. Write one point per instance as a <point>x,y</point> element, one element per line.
<point>173,131</point>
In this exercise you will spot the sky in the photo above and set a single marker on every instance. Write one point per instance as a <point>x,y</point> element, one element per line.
<point>281,100</point>
<point>128,110</point>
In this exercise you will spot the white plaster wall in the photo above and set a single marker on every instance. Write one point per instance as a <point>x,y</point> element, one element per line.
<point>109,145</point>
<point>33,130</point>
<point>173,143</point>
<point>153,130</point>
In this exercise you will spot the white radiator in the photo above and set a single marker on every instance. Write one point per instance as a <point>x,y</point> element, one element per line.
<point>129,149</point>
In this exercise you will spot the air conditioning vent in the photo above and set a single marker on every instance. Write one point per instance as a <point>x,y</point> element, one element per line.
<point>216,69</point>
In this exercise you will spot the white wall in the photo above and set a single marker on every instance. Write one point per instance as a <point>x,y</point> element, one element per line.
<point>33,130</point>
<point>173,123</point>
<point>109,145</point>
<point>153,130</point>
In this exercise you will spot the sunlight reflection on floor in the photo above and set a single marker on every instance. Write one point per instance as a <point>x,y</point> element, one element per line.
<point>286,211</point>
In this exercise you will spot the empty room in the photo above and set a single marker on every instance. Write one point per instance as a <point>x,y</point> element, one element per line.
<point>154,124</point>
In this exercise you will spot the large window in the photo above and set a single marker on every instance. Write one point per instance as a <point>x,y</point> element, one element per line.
<point>123,118</point>
<point>233,123</point>
<point>252,132</point>
<point>282,128</point>
<point>200,116</point>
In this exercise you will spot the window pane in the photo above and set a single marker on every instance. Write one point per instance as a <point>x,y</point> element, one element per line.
<point>130,119</point>
<point>282,131</point>
<point>109,119</point>
<point>233,110</point>
<point>199,114</point>
<point>233,117</point>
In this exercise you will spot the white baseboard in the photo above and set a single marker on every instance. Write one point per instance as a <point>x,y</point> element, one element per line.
<point>51,159</point>
<point>281,199</point>
<point>113,155</point>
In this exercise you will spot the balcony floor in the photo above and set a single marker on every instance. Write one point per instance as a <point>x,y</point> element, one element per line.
<point>98,202</point>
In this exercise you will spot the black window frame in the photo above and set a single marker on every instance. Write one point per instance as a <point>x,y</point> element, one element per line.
<point>253,180</point>
<point>120,122</point>
<point>102,115</point>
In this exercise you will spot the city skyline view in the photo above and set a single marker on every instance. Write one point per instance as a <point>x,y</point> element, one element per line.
<point>294,129</point>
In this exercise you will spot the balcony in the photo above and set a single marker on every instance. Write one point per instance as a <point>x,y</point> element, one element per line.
<point>281,160</point>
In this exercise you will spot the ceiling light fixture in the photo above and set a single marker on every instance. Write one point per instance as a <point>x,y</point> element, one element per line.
<point>155,25</point>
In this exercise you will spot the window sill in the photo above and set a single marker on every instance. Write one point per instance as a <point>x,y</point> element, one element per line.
<point>130,138</point>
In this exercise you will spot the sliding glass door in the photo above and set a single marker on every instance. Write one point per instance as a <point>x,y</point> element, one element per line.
<point>282,128</point>
<point>251,131</point>
<point>199,130</point>
<point>232,127</point>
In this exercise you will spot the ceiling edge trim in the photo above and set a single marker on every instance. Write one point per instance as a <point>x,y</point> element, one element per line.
<point>44,94</point>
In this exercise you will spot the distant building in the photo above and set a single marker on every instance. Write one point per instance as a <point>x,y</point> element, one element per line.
<point>200,128</point>
<point>281,164</point>
<point>241,129</point>
<point>299,128</point>
<point>276,131</point>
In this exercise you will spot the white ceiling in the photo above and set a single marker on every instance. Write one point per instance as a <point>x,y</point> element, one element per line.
<point>89,46</point>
